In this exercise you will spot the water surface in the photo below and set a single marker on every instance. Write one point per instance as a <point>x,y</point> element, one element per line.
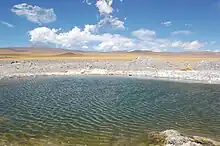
<point>103,110</point>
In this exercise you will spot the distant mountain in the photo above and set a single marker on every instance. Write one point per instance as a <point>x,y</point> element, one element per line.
<point>141,51</point>
<point>33,49</point>
<point>197,53</point>
<point>51,50</point>
<point>36,49</point>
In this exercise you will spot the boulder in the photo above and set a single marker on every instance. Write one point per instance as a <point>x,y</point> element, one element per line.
<point>174,138</point>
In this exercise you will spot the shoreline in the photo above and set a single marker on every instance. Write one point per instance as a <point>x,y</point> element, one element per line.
<point>164,138</point>
<point>205,72</point>
<point>202,77</point>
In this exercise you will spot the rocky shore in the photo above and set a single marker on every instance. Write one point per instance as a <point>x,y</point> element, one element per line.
<point>174,138</point>
<point>202,71</point>
<point>165,138</point>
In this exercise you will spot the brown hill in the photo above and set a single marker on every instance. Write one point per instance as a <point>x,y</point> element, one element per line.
<point>39,52</point>
<point>32,50</point>
<point>70,54</point>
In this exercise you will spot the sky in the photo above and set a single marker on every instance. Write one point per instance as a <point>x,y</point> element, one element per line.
<point>112,25</point>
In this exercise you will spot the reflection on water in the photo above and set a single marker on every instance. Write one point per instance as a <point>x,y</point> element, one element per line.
<point>103,110</point>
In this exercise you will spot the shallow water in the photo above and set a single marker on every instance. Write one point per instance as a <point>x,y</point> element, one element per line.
<point>103,110</point>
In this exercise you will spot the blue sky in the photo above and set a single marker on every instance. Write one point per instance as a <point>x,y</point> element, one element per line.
<point>112,25</point>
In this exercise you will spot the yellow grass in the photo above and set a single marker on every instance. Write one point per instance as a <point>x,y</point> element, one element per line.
<point>99,56</point>
<point>186,68</point>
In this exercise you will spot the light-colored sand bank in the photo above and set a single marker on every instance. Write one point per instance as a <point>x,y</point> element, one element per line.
<point>144,67</point>
<point>175,75</point>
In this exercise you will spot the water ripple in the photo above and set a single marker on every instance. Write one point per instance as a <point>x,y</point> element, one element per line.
<point>96,110</point>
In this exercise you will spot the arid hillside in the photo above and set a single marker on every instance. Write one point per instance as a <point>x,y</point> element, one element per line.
<point>46,53</point>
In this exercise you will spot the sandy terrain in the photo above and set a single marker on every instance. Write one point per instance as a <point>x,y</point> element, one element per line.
<point>198,66</point>
<point>43,53</point>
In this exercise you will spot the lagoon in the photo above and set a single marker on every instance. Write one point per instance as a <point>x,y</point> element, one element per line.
<point>98,110</point>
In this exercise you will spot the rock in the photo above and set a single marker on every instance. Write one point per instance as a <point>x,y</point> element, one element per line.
<point>174,138</point>
<point>13,62</point>
<point>83,71</point>
<point>208,65</point>
<point>205,141</point>
<point>3,119</point>
<point>156,138</point>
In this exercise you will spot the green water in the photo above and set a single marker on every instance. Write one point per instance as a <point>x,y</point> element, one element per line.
<point>103,110</point>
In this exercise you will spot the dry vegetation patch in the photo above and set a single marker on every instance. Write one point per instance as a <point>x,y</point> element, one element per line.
<point>187,68</point>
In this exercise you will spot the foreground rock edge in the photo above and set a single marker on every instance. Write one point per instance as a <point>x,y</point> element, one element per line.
<point>165,138</point>
<point>174,138</point>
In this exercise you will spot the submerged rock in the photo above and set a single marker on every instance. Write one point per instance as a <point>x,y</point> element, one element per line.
<point>3,119</point>
<point>156,138</point>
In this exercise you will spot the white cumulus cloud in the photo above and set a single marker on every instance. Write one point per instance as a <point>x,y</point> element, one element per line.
<point>115,22</point>
<point>106,10</point>
<point>104,6</point>
<point>106,18</point>
<point>77,37</point>
<point>88,38</point>
<point>144,34</point>
<point>91,37</point>
<point>34,14</point>
<point>193,45</point>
